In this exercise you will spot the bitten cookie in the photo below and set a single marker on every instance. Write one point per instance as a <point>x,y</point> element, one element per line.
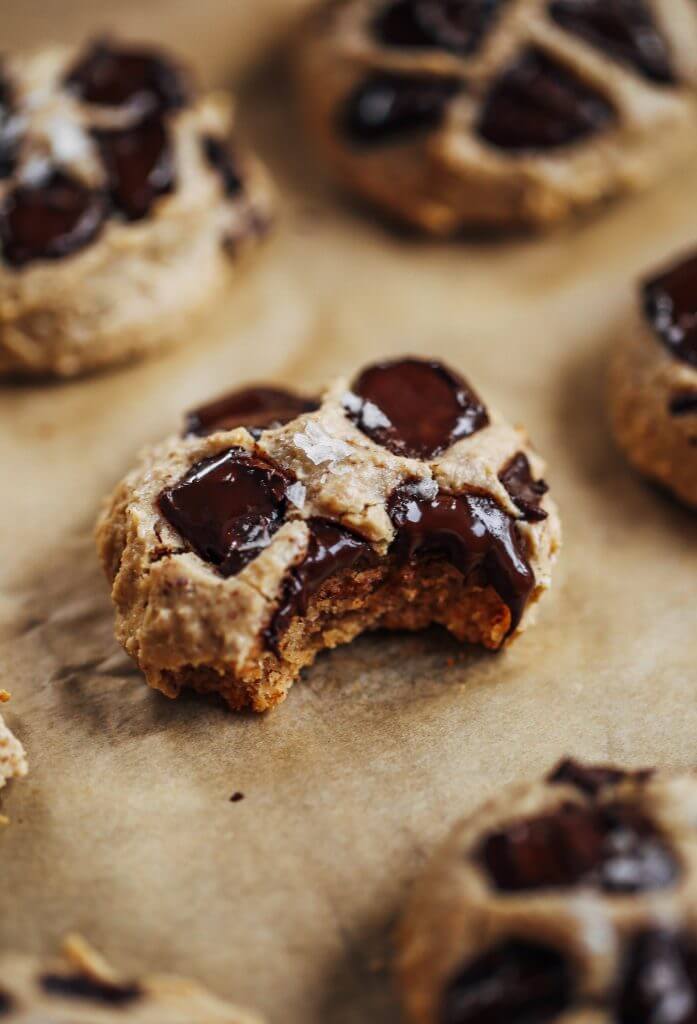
<point>13,760</point>
<point>237,553</point>
<point>81,988</point>
<point>504,113</point>
<point>573,901</point>
<point>124,202</point>
<point>653,381</point>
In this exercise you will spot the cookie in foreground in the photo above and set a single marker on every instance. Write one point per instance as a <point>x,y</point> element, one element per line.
<point>653,380</point>
<point>281,525</point>
<point>573,899</point>
<point>125,201</point>
<point>450,114</point>
<point>80,987</point>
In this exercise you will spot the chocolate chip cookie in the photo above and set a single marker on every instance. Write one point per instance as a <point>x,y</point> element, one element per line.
<point>505,113</point>
<point>283,524</point>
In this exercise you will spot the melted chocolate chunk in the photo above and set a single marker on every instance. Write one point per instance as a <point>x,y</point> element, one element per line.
<point>458,26</point>
<point>117,76</point>
<point>415,408</point>
<point>591,779</point>
<point>670,304</point>
<point>221,158</point>
<point>472,532</point>
<point>540,104</point>
<point>526,492</point>
<point>139,164</point>
<point>515,983</point>
<point>683,403</point>
<point>49,221</point>
<point>389,107</point>
<point>660,980</point>
<point>227,507</point>
<point>256,408</point>
<point>80,986</point>
<point>612,848</point>
<point>332,548</point>
<point>624,29</point>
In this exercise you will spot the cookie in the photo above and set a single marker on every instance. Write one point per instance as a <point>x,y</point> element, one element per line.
<point>281,525</point>
<point>653,381</point>
<point>510,114</point>
<point>569,901</point>
<point>13,760</point>
<point>125,201</point>
<point>79,987</point>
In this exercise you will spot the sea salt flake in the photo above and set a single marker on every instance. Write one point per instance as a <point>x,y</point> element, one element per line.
<point>427,488</point>
<point>296,494</point>
<point>321,448</point>
<point>35,171</point>
<point>351,402</point>
<point>69,143</point>
<point>372,417</point>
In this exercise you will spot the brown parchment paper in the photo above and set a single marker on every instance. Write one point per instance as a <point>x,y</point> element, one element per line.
<point>124,829</point>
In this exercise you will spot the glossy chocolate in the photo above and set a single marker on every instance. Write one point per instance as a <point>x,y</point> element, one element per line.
<point>611,847</point>
<point>591,779</point>
<point>624,29</point>
<point>387,107</point>
<point>472,532</point>
<point>114,76</point>
<point>540,104</point>
<point>458,26</point>
<point>515,983</point>
<point>525,491</point>
<point>415,407</point>
<point>219,155</point>
<point>670,305</point>
<point>80,986</point>
<point>49,221</point>
<point>139,164</point>
<point>683,403</point>
<point>660,980</point>
<point>256,408</point>
<point>227,507</point>
<point>332,548</point>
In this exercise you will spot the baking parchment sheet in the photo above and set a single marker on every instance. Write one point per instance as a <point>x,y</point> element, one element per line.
<point>124,829</point>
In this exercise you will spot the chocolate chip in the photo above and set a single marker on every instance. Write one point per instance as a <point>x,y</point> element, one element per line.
<point>670,304</point>
<point>612,848</point>
<point>80,986</point>
<point>139,164</point>
<point>6,1003</point>
<point>219,155</point>
<point>116,76</point>
<point>538,103</point>
<point>514,983</point>
<point>49,221</point>
<point>659,985</point>
<point>625,29</point>
<point>683,403</point>
<point>414,407</point>
<point>591,779</point>
<point>458,26</point>
<point>253,407</point>
<point>227,507</point>
<point>472,532</point>
<point>526,492</point>
<point>387,107</point>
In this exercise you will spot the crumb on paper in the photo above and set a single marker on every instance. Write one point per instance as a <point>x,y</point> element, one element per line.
<point>4,696</point>
<point>236,797</point>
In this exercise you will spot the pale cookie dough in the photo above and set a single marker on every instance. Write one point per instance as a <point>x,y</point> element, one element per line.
<point>450,114</point>
<point>125,202</point>
<point>13,760</point>
<point>572,901</point>
<point>236,555</point>
<point>653,381</point>
<point>79,987</point>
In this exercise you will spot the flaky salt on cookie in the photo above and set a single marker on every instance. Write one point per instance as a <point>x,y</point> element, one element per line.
<point>237,553</point>
<point>125,201</point>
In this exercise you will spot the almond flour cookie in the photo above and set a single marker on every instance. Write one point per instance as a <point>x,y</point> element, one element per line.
<point>124,203</point>
<point>653,381</point>
<point>507,113</point>
<point>13,760</point>
<point>281,525</point>
<point>573,901</point>
<point>81,988</point>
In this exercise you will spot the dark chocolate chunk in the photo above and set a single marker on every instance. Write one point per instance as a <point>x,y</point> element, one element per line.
<point>139,164</point>
<point>472,532</point>
<point>591,779</point>
<point>227,507</point>
<point>526,492</point>
<point>538,103</point>
<point>114,76</point>
<point>6,1003</point>
<point>219,155</point>
<point>514,983</point>
<point>659,985</point>
<point>670,304</point>
<point>624,29</point>
<point>49,221</point>
<point>458,26</point>
<point>254,407</point>
<point>414,407</point>
<point>612,847</point>
<point>388,107</point>
<point>683,403</point>
<point>80,986</point>
<point>332,548</point>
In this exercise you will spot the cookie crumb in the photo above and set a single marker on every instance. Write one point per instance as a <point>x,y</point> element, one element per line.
<point>236,797</point>
<point>4,696</point>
